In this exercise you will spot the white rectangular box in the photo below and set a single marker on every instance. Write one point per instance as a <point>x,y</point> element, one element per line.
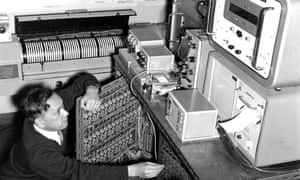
<point>157,58</point>
<point>139,37</point>
<point>191,115</point>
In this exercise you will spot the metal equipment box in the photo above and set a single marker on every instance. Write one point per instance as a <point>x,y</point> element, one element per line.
<point>191,115</point>
<point>157,58</point>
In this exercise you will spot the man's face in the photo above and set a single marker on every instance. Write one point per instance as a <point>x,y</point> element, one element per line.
<point>56,117</point>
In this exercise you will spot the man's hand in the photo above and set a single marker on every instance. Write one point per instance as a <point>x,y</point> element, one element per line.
<point>91,101</point>
<point>145,169</point>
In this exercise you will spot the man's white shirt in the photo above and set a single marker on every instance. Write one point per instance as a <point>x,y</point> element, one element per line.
<point>53,135</point>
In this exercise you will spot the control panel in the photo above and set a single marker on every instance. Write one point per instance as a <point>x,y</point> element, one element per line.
<point>247,30</point>
<point>193,53</point>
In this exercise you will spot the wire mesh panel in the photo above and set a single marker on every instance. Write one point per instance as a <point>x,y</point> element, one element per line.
<point>118,132</point>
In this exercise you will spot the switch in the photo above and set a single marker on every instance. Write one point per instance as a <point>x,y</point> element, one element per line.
<point>2,29</point>
<point>238,51</point>
<point>230,46</point>
<point>238,136</point>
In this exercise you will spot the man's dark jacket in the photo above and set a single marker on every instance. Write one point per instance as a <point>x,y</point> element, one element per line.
<point>35,157</point>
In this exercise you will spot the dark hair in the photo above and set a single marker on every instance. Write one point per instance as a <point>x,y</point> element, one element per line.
<point>35,102</point>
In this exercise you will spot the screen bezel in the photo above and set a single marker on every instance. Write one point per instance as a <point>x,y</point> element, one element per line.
<point>247,24</point>
<point>243,14</point>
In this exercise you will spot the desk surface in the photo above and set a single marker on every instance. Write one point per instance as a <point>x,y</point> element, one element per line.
<point>207,159</point>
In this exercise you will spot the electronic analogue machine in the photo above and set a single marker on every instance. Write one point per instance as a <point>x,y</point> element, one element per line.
<point>48,48</point>
<point>261,37</point>
<point>48,41</point>
<point>261,122</point>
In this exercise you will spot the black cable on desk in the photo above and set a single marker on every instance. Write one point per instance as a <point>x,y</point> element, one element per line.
<point>154,134</point>
<point>238,156</point>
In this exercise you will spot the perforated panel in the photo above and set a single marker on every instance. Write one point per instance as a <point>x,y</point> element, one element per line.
<point>118,132</point>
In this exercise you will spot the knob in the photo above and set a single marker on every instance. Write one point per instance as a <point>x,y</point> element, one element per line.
<point>2,29</point>
<point>230,46</point>
<point>192,58</point>
<point>238,51</point>
<point>239,33</point>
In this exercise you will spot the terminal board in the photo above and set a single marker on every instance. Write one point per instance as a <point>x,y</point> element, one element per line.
<point>119,132</point>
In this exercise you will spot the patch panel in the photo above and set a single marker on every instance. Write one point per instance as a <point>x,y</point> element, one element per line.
<point>117,132</point>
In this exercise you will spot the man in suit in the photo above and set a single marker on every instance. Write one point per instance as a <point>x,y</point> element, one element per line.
<point>40,152</point>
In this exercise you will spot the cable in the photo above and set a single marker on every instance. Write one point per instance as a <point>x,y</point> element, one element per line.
<point>132,80</point>
<point>147,114</point>
<point>154,134</point>
<point>150,72</point>
<point>233,117</point>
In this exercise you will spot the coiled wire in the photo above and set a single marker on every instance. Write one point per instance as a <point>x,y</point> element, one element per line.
<point>40,51</point>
